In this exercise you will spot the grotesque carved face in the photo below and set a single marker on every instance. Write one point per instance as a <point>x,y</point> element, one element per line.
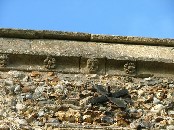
<point>129,68</point>
<point>50,63</point>
<point>3,60</point>
<point>92,65</point>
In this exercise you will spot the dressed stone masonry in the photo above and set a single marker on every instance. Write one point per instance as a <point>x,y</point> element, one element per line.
<point>70,52</point>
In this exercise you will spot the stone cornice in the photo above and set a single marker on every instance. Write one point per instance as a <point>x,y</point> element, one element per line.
<point>71,52</point>
<point>61,35</point>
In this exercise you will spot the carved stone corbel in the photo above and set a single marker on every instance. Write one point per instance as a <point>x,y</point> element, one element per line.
<point>50,62</point>
<point>92,65</point>
<point>3,60</point>
<point>130,68</point>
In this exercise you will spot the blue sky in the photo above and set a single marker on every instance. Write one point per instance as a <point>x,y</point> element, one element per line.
<point>148,18</point>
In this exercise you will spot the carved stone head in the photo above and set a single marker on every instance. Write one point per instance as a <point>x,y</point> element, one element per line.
<point>92,65</point>
<point>130,68</point>
<point>3,60</point>
<point>50,62</point>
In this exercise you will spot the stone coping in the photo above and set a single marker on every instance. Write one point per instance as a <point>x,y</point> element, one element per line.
<point>78,36</point>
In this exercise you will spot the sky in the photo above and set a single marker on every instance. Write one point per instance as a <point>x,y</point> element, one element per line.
<point>145,18</point>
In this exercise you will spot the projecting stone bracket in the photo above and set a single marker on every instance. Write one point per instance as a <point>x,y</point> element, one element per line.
<point>3,60</point>
<point>50,62</point>
<point>92,65</point>
<point>130,68</point>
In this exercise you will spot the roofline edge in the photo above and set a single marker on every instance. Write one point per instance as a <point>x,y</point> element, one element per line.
<point>87,37</point>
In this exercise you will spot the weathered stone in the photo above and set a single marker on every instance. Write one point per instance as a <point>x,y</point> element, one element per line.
<point>50,63</point>
<point>87,118</point>
<point>170,127</point>
<point>20,106</point>
<point>3,60</point>
<point>157,108</point>
<point>21,121</point>
<point>35,73</point>
<point>156,101</point>
<point>61,97</point>
<point>129,68</point>
<point>17,89</point>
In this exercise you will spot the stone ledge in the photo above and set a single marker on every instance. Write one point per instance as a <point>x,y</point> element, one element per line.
<point>86,49</point>
<point>61,35</point>
<point>43,34</point>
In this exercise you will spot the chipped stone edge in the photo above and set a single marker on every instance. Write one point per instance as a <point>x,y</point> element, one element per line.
<point>62,35</point>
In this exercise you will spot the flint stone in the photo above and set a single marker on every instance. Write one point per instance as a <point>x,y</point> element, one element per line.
<point>53,120</point>
<point>2,114</point>
<point>140,92</point>
<point>101,108</point>
<point>85,101</point>
<point>151,83</point>
<point>87,118</point>
<point>45,102</point>
<point>51,124</point>
<point>148,79</point>
<point>29,96</point>
<point>171,85</point>
<point>170,121</point>
<point>8,82</point>
<point>41,113</point>
<point>157,108</point>
<point>134,124</point>
<point>170,127</point>
<point>13,102</point>
<point>21,97</point>
<point>4,127</point>
<point>25,79</point>
<point>158,119</point>
<point>146,124</point>
<point>133,110</point>
<point>38,123</point>
<point>26,89</point>
<point>156,101</point>
<point>17,89</point>
<point>21,121</point>
<point>86,92</point>
<point>38,92</point>
<point>60,89</point>
<point>171,112</point>
<point>15,74</point>
<point>170,106</point>
<point>20,106</point>
<point>107,119</point>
